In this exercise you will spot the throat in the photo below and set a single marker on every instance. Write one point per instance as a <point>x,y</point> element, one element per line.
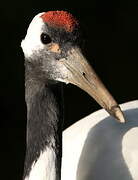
<point>44,131</point>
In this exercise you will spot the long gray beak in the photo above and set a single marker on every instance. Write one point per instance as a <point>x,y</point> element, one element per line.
<point>82,75</point>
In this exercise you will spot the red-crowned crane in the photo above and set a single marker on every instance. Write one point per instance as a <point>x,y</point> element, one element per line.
<point>92,147</point>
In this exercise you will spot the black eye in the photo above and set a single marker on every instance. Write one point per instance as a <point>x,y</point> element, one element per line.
<point>45,38</point>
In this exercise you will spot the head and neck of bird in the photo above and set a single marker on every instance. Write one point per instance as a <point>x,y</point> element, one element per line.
<point>53,55</point>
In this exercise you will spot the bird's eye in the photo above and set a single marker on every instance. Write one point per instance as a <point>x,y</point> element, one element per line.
<point>45,38</point>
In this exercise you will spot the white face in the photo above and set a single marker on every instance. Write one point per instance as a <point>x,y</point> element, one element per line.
<point>32,41</point>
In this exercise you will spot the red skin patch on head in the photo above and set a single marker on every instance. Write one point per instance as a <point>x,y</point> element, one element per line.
<point>61,19</point>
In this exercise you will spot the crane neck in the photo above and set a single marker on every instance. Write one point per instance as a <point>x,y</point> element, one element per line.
<point>44,130</point>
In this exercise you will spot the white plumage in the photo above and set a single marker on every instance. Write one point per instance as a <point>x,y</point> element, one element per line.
<point>99,148</point>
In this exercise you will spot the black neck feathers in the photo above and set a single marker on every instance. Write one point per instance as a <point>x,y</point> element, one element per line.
<point>44,120</point>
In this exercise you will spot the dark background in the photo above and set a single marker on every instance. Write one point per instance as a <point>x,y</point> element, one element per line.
<point>111,30</point>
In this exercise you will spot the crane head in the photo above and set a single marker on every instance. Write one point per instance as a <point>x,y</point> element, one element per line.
<point>51,48</point>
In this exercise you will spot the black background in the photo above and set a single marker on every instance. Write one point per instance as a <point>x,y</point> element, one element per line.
<point>111,31</point>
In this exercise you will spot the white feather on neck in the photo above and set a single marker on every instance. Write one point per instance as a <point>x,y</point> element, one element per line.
<point>44,168</point>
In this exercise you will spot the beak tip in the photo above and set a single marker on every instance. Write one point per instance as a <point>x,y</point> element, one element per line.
<point>118,114</point>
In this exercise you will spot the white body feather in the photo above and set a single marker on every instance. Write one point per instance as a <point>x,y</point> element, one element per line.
<point>99,148</point>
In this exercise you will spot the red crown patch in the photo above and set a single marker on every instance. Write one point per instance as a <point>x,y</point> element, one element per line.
<point>61,19</point>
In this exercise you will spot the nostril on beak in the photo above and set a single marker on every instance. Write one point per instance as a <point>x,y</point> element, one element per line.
<point>83,74</point>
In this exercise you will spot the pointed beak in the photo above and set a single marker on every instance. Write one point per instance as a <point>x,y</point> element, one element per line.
<point>82,75</point>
